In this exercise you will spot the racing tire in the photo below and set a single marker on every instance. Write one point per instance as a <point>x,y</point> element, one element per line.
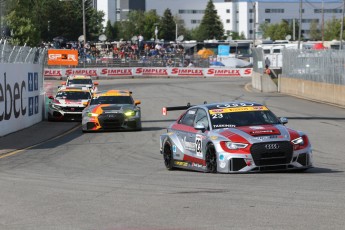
<point>211,159</point>
<point>168,155</point>
<point>50,118</point>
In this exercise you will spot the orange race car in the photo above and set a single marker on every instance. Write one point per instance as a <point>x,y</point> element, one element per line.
<point>112,110</point>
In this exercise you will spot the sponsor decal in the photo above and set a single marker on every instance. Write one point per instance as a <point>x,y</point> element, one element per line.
<point>196,165</point>
<point>222,72</point>
<point>224,126</point>
<point>198,144</point>
<point>242,109</point>
<point>151,71</point>
<point>213,137</point>
<point>181,163</point>
<point>256,127</point>
<point>90,72</point>
<point>226,72</point>
<point>187,72</point>
<point>221,157</point>
<point>116,72</point>
<point>222,164</point>
<point>52,73</point>
<point>234,105</point>
<point>14,98</point>
<point>174,148</point>
<point>272,146</point>
<point>62,57</point>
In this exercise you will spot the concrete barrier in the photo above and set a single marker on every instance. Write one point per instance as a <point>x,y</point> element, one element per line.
<point>263,82</point>
<point>325,92</point>
<point>21,96</point>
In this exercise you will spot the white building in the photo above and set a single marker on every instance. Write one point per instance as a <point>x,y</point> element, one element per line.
<point>239,16</point>
<point>236,15</point>
<point>117,10</point>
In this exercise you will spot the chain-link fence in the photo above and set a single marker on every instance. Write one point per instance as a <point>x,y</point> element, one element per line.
<point>326,66</point>
<point>21,54</point>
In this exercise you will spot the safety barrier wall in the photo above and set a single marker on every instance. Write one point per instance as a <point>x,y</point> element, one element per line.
<point>21,96</point>
<point>148,72</point>
<point>263,82</point>
<point>326,92</point>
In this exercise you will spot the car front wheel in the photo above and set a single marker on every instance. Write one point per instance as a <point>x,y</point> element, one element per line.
<point>168,155</point>
<point>211,159</point>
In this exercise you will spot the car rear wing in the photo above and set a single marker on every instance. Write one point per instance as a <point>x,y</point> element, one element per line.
<point>174,108</point>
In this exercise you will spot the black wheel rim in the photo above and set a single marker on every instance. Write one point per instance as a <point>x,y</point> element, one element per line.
<point>211,161</point>
<point>167,156</point>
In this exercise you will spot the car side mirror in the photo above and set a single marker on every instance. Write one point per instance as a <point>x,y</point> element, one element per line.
<point>137,102</point>
<point>95,83</point>
<point>283,120</point>
<point>63,83</point>
<point>51,97</point>
<point>199,126</point>
<point>85,103</point>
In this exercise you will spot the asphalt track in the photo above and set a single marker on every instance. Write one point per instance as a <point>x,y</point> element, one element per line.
<point>117,180</point>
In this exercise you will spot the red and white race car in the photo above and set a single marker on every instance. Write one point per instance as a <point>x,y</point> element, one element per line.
<point>233,138</point>
<point>68,103</point>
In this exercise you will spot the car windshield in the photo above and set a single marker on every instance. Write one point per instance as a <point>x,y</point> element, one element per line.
<point>234,119</point>
<point>71,95</point>
<point>112,100</point>
<point>80,82</point>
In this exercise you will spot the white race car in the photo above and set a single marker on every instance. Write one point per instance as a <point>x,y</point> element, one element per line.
<point>233,137</point>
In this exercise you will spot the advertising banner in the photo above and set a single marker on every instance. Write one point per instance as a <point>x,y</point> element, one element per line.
<point>110,72</point>
<point>62,57</point>
<point>21,96</point>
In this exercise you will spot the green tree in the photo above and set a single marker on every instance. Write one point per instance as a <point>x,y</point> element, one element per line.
<point>167,26</point>
<point>23,30</point>
<point>49,18</point>
<point>276,31</point>
<point>332,29</point>
<point>315,32</point>
<point>211,27</point>
<point>109,31</point>
<point>150,20</point>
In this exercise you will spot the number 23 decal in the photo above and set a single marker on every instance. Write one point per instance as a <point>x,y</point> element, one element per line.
<point>217,115</point>
<point>198,145</point>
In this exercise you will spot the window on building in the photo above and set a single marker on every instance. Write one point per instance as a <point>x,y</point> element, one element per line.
<point>250,10</point>
<point>328,11</point>
<point>251,20</point>
<point>191,11</point>
<point>274,11</point>
<point>250,31</point>
<point>228,11</point>
<point>227,20</point>
<point>195,21</point>
<point>268,20</point>
<point>310,20</point>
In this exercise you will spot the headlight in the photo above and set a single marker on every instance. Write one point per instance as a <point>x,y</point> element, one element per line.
<point>233,145</point>
<point>298,141</point>
<point>130,113</point>
<point>92,114</point>
<point>54,106</point>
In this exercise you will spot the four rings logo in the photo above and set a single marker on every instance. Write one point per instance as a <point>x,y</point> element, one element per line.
<point>272,146</point>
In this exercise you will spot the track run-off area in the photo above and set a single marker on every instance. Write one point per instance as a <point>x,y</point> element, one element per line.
<point>118,181</point>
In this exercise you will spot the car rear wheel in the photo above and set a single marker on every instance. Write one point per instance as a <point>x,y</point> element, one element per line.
<point>211,159</point>
<point>168,155</point>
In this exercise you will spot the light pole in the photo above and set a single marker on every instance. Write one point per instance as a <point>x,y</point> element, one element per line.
<point>84,24</point>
